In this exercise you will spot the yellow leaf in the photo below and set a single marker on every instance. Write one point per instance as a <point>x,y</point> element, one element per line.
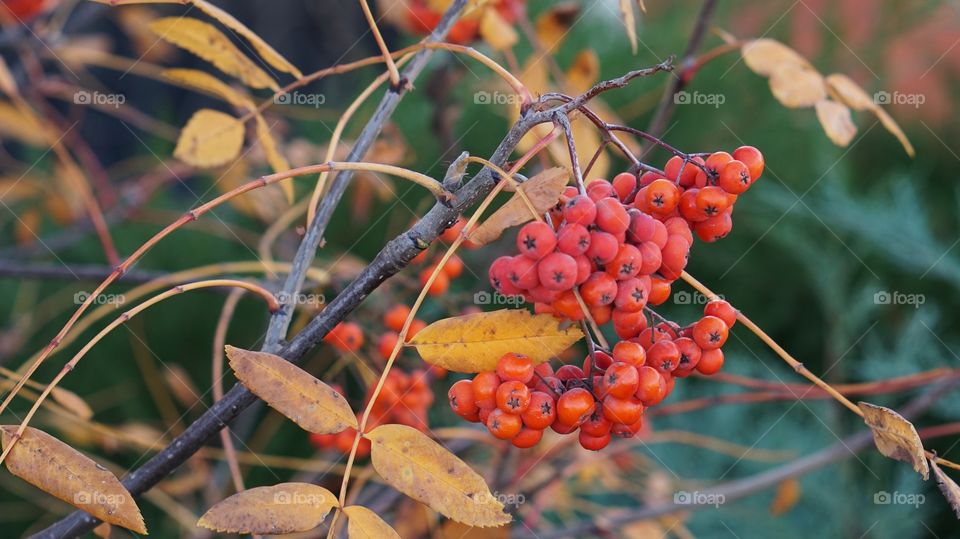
<point>629,22</point>
<point>207,42</point>
<point>205,82</point>
<point>543,190</point>
<point>786,497</point>
<point>764,56</point>
<point>277,162</point>
<point>474,342</point>
<point>797,86</point>
<point>363,523</point>
<point>22,125</point>
<point>63,472</point>
<point>455,530</point>
<point>265,51</point>
<point>424,470</point>
<point>72,402</point>
<point>292,391</point>
<point>282,508</point>
<point>843,89</point>
<point>948,487</point>
<point>895,437</point>
<point>497,32</point>
<point>552,25</point>
<point>584,71</point>
<point>211,138</point>
<point>836,121</point>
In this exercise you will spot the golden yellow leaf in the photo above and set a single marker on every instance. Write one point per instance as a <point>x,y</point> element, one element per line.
<point>836,121</point>
<point>788,492</point>
<point>63,472</point>
<point>474,342</point>
<point>72,402</point>
<point>543,190</point>
<point>205,41</point>
<point>948,487</point>
<point>554,24</point>
<point>363,523</point>
<point>843,89</point>
<point>895,437</point>
<point>764,56</point>
<point>629,22</point>
<point>205,82</point>
<point>265,51</point>
<point>496,31</point>
<point>292,391</point>
<point>891,125</point>
<point>424,470</point>
<point>277,162</point>
<point>279,509</point>
<point>797,86</point>
<point>584,72</point>
<point>22,125</point>
<point>455,530</point>
<point>211,138</point>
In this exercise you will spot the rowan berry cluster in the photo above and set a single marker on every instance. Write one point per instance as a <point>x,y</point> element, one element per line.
<point>404,399</point>
<point>604,398</point>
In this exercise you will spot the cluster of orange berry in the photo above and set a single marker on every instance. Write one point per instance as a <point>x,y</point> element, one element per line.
<point>604,398</point>
<point>404,399</point>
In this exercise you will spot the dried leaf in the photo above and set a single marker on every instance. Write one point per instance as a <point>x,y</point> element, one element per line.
<point>282,508</point>
<point>948,487</point>
<point>543,190</point>
<point>211,138</point>
<point>363,523</point>
<point>22,125</point>
<point>797,86</point>
<point>292,391</point>
<point>102,531</point>
<point>788,492</point>
<point>554,24</point>
<point>63,472</point>
<point>764,56</point>
<point>205,41</point>
<point>584,71</point>
<point>456,530</point>
<point>72,402</point>
<point>895,437</point>
<point>836,121</point>
<point>265,51</point>
<point>496,31</point>
<point>424,470</point>
<point>205,82</point>
<point>277,162</point>
<point>474,342</point>
<point>843,89</point>
<point>891,125</point>
<point>629,22</point>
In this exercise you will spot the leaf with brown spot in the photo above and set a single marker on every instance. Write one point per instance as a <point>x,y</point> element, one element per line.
<point>211,138</point>
<point>947,486</point>
<point>895,437</point>
<point>836,121</point>
<point>474,342</point>
<point>424,470</point>
<point>363,523</point>
<point>764,56</point>
<point>292,391</point>
<point>63,472</point>
<point>207,42</point>
<point>797,86</point>
<point>279,509</point>
<point>543,190</point>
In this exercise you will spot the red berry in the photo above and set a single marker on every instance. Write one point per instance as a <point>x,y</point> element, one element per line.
<point>626,264</point>
<point>522,272</point>
<point>621,380</point>
<point>612,216</point>
<point>569,372</point>
<point>624,184</point>
<point>662,196</point>
<point>628,324</point>
<point>715,164</point>
<point>722,310</point>
<point>536,240</point>
<point>632,294</point>
<point>751,157</point>
<point>516,367</point>
<point>600,189</point>
<point>710,332</point>
<point>599,289</point>
<point>625,410</point>
<point>573,239</point>
<point>710,361</point>
<point>642,226</point>
<point>541,412</point>
<point>386,343</point>
<point>503,425</point>
<point>580,210</point>
<point>630,353</point>
<point>527,438</point>
<point>557,271</point>
<point>575,406</point>
<point>663,355</point>
<point>652,388</point>
<point>594,443</point>
<point>396,316</point>
<point>485,386</point>
<point>712,200</point>
<point>734,177</point>
<point>714,228</point>
<point>652,257</point>
<point>461,398</point>
<point>603,247</point>
<point>596,425</point>
<point>513,397</point>
<point>689,353</point>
